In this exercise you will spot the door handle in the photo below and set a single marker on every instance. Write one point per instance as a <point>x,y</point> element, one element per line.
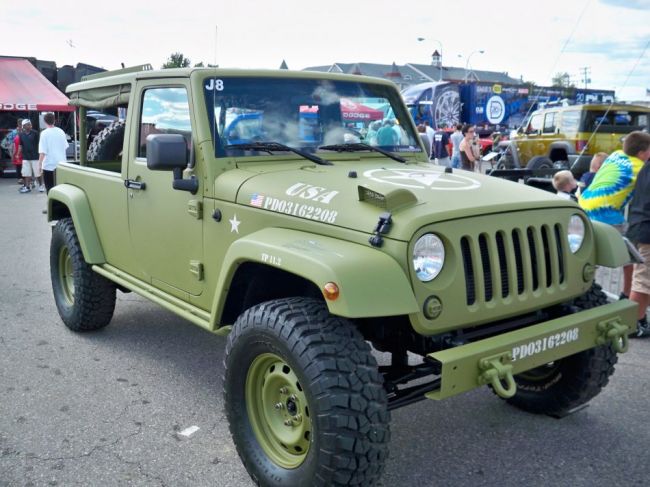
<point>133,184</point>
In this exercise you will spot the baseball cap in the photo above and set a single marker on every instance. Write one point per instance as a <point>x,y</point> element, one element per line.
<point>26,121</point>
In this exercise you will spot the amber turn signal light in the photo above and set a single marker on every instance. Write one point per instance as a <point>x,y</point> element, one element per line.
<point>331,291</point>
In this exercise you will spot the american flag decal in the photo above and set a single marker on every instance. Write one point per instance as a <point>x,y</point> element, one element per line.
<point>257,200</point>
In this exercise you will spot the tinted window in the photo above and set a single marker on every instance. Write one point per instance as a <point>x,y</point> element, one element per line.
<point>569,122</point>
<point>614,121</point>
<point>549,123</point>
<point>164,111</point>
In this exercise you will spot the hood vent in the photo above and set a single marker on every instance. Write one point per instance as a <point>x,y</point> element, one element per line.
<point>392,200</point>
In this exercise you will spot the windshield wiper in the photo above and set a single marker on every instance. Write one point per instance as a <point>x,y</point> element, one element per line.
<point>277,147</point>
<point>358,146</point>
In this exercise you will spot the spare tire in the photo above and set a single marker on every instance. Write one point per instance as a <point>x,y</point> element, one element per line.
<point>107,145</point>
<point>539,162</point>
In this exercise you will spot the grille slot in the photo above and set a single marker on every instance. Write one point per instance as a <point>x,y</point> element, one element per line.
<point>547,256</point>
<point>487,271</point>
<point>503,265</point>
<point>469,270</point>
<point>534,263</point>
<point>519,261</point>
<point>512,262</point>
<point>560,251</point>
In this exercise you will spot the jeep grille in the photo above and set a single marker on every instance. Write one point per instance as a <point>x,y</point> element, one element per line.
<point>504,263</point>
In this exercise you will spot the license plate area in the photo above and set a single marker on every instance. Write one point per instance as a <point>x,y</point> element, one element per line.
<point>464,368</point>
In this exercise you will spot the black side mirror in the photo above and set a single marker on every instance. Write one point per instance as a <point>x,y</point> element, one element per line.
<point>168,152</point>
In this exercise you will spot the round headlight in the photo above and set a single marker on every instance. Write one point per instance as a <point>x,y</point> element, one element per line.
<point>576,233</point>
<point>428,257</point>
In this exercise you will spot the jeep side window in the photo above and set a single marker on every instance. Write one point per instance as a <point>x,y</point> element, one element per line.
<point>535,125</point>
<point>569,123</point>
<point>164,111</point>
<point>549,123</point>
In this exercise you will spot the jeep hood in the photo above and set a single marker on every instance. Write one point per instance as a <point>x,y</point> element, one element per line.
<point>354,194</point>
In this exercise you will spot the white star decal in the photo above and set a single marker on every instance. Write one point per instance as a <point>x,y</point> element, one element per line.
<point>234,224</point>
<point>423,179</point>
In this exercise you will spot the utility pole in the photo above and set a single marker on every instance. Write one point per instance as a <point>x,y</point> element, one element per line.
<point>585,72</point>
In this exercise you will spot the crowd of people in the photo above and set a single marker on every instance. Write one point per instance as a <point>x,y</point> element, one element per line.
<point>36,155</point>
<point>464,141</point>
<point>612,183</point>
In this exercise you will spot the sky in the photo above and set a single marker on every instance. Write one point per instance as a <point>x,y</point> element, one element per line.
<point>533,40</point>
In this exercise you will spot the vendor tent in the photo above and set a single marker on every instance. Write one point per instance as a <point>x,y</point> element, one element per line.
<point>24,88</point>
<point>356,112</point>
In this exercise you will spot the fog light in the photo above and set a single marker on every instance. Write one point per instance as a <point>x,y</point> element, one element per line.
<point>331,291</point>
<point>432,307</point>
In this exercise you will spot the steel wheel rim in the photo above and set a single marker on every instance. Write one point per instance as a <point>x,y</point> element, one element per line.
<point>66,275</point>
<point>278,411</point>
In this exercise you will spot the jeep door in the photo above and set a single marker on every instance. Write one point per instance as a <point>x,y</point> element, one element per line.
<point>528,144</point>
<point>166,232</point>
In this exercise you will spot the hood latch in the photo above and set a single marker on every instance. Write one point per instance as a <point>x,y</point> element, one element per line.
<point>382,228</point>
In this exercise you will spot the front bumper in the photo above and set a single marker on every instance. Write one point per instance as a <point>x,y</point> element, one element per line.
<point>497,359</point>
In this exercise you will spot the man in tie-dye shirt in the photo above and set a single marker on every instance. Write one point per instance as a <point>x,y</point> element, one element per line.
<point>613,187</point>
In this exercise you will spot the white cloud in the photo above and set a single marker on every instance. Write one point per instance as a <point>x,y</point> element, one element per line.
<point>523,38</point>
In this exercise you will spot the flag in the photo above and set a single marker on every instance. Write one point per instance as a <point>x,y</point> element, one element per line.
<point>647,92</point>
<point>257,200</point>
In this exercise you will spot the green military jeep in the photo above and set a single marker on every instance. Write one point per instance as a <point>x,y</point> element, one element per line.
<point>266,206</point>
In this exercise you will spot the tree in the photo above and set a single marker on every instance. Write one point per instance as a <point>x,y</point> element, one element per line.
<point>177,60</point>
<point>562,80</point>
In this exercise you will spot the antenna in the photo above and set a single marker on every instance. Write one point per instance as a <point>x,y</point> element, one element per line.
<point>214,95</point>
<point>215,44</point>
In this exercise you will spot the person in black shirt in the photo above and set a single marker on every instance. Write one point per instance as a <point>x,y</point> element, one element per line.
<point>29,148</point>
<point>639,233</point>
<point>440,142</point>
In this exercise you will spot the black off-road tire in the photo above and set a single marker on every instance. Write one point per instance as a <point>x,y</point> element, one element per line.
<point>107,144</point>
<point>336,377</point>
<point>85,299</point>
<point>539,162</point>
<point>561,386</point>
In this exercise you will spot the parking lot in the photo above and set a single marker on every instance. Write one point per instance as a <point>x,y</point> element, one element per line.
<point>118,406</point>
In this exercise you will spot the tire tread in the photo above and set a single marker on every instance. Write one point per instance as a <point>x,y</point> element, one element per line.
<point>344,380</point>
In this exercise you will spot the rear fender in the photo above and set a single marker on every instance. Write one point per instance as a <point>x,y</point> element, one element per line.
<point>371,283</point>
<point>75,201</point>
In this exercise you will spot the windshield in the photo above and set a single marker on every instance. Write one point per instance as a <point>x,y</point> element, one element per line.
<point>305,114</point>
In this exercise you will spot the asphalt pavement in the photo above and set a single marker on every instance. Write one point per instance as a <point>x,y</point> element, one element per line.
<point>121,407</point>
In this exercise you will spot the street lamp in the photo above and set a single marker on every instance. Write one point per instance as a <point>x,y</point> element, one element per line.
<point>480,51</point>
<point>420,39</point>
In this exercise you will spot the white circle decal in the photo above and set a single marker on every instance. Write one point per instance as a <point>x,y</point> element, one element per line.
<point>423,179</point>
<point>495,109</point>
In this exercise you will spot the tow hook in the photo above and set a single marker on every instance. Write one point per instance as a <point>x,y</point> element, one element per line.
<point>497,369</point>
<point>615,332</point>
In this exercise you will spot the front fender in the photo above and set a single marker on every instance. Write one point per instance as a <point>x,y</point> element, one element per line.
<point>77,204</point>
<point>611,250</point>
<point>371,283</point>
